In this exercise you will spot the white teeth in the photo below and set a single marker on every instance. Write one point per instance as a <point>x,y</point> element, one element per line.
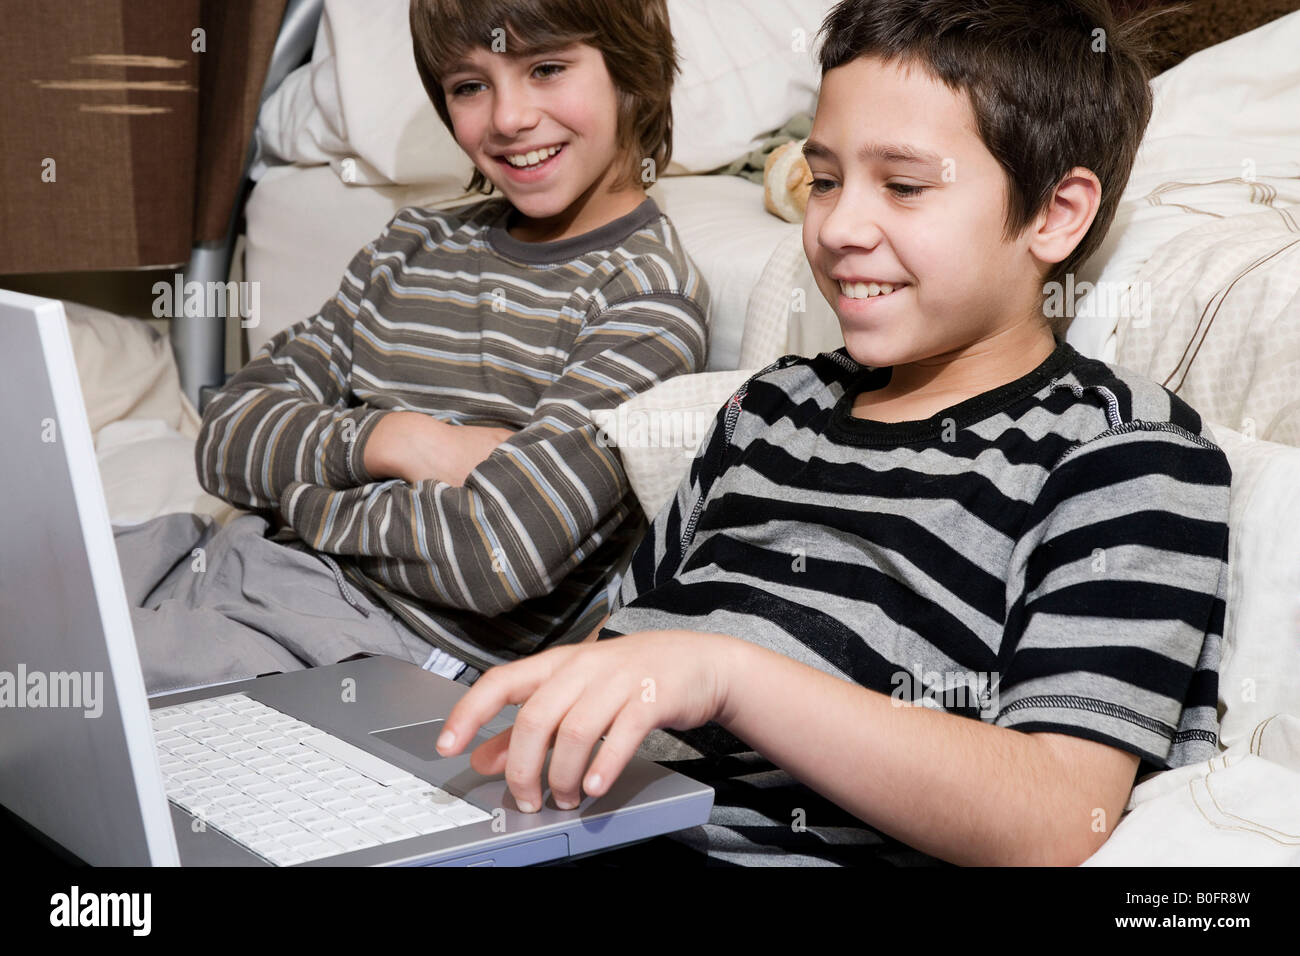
<point>866,290</point>
<point>532,157</point>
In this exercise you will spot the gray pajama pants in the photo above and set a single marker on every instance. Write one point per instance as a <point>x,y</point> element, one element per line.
<point>212,603</point>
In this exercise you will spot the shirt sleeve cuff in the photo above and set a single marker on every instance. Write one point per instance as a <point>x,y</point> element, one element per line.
<point>356,453</point>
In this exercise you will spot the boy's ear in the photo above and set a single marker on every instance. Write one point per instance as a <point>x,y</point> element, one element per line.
<point>1061,226</point>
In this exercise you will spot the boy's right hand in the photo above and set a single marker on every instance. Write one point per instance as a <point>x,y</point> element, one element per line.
<point>417,447</point>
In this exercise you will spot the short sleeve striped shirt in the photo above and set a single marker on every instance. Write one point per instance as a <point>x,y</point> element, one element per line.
<point>1049,556</point>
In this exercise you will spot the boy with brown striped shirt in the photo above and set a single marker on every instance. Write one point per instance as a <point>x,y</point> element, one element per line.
<point>426,437</point>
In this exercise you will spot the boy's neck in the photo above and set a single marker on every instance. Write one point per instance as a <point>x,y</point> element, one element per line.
<point>919,390</point>
<point>580,217</point>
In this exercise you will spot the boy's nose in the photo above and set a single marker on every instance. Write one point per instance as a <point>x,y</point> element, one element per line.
<point>512,112</point>
<point>850,225</point>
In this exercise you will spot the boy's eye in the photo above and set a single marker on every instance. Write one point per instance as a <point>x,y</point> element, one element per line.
<point>551,69</point>
<point>820,186</point>
<point>907,190</point>
<point>464,89</point>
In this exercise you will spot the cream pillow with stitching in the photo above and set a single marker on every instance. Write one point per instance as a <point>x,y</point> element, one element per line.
<point>127,370</point>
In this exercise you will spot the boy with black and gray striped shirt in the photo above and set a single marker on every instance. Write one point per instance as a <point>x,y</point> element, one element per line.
<point>1076,586</point>
<point>944,593</point>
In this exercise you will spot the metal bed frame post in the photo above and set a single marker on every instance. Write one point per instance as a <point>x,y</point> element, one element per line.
<point>199,342</point>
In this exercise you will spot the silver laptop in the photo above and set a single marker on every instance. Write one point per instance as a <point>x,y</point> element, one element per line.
<point>325,766</point>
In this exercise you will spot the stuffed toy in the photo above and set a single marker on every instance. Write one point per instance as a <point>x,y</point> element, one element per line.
<point>787,181</point>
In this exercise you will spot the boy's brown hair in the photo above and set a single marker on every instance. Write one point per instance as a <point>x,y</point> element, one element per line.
<point>634,37</point>
<point>1053,84</point>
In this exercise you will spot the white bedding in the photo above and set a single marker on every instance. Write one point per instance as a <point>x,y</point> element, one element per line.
<point>1224,140</point>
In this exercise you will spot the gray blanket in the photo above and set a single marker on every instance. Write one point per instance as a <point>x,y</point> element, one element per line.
<point>212,603</point>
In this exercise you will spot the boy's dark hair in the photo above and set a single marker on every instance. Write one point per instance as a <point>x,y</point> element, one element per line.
<point>1053,84</point>
<point>633,36</point>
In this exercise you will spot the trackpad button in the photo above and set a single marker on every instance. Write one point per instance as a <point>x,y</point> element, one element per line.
<point>420,740</point>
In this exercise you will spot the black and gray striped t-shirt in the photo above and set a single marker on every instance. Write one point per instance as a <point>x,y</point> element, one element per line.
<point>1048,556</point>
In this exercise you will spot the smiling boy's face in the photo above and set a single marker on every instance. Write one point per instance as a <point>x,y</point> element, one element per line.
<point>510,112</point>
<point>930,225</point>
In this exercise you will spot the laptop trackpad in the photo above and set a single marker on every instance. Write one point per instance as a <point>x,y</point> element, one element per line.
<point>420,740</point>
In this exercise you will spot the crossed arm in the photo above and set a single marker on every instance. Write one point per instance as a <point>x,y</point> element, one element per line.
<point>417,447</point>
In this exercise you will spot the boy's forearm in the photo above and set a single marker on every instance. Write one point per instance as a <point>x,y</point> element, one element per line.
<point>956,788</point>
<point>416,447</point>
<point>235,461</point>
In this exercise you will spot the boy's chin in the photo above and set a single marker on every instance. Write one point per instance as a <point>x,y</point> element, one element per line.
<point>873,349</point>
<point>537,205</point>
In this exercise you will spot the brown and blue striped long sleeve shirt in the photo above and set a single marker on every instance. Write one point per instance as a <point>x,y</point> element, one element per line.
<point>447,314</point>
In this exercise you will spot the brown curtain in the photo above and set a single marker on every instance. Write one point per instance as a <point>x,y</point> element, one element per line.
<point>124,127</point>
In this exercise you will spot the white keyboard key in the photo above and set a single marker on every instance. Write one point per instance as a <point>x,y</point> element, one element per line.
<point>282,829</point>
<point>388,830</point>
<point>357,759</point>
<point>340,807</point>
<point>278,798</point>
<point>300,839</point>
<point>362,815</point>
<point>316,850</point>
<point>263,844</point>
<point>311,817</point>
<point>428,823</point>
<point>465,813</point>
<point>311,789</point>
<point>170,721</point>
<point>264,819</point>
<point>353,839</point>
<point>405,811</point>
<point>241,829</point>
<point>295,808</point>
<point>313,761</point>
<point>328,826</point>
<point>389,800</point>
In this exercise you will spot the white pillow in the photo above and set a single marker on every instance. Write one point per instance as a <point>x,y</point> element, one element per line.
<point>1239,808</point>
<point>1223,115</point>
<point>730,237</point>
<point>658,432</point>
<point>359,106</point>
<point>126,369</point>
<point>1259,675</point>
<point>747,68</point>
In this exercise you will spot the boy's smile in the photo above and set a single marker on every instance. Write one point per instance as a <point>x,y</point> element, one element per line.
<point>904,235</point>
<point>543,129</point>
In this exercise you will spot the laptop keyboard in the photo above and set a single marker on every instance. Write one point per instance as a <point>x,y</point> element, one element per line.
<point>288,791</point>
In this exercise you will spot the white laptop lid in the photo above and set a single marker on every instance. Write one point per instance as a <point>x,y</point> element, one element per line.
<point>90,782</point>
